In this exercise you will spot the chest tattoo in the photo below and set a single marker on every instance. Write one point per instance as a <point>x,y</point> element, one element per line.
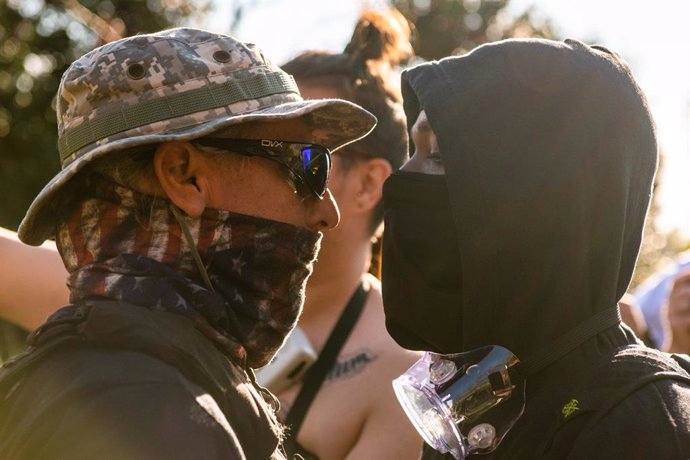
<point>351,365</point>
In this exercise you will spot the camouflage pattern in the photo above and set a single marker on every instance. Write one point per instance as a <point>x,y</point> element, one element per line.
<point>178,84</point>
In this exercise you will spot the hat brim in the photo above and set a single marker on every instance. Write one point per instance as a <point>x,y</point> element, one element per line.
<point>333,122</point>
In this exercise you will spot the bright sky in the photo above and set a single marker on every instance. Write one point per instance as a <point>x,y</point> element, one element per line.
<point>651,36</point>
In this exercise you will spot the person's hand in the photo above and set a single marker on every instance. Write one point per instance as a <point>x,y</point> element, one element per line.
<point>678,314</point>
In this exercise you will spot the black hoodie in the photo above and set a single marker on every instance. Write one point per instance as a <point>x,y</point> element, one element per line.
<point>550,152</point>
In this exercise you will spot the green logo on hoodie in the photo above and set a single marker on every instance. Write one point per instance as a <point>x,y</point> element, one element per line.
<point>570,408</point>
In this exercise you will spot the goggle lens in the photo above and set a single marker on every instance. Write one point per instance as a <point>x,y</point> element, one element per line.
<point>310,163</point>
<point>450,399</point>
<point>436,428</point>
<point>317,165</point>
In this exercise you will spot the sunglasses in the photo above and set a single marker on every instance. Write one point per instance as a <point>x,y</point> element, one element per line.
<point>310,164</point>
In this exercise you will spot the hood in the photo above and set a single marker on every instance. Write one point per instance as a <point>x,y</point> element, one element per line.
<point>550,153</point>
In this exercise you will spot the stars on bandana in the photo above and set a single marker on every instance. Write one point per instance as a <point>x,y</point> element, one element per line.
<point>257,269</point>
<point>238,264</point>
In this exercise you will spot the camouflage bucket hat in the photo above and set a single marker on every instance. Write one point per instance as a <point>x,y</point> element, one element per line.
<point>178,84</point>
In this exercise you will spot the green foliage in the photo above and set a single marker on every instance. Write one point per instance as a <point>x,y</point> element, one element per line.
<point>447,27</point>
<point>658,248</point>
<point>38,40</point>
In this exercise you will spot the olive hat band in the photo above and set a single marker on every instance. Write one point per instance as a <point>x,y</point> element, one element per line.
<point>175,105</point>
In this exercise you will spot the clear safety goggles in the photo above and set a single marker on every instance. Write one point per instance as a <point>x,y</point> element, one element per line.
<point>462,403</point>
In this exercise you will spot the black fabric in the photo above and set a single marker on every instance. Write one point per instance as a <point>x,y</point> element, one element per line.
<point>421,273</point>
<point>318,371</point>
<point>129,382</point>
<point>549,152</point>
<point>12,340</point>
<point>568,342</point>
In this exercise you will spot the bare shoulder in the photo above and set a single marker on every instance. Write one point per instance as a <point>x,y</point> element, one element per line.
<point>379,405</point>
<point>370,422</point>
<point>371,338</point>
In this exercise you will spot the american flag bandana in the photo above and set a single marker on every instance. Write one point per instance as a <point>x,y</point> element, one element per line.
<point>258,267</point>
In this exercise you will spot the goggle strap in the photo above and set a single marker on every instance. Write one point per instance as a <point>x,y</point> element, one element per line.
<point>565,344</point>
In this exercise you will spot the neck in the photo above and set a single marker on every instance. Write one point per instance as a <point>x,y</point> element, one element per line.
<point>337,273</point>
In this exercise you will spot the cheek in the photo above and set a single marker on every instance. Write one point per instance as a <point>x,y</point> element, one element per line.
<point>228,187</point>
<point>336,185</point>
<point>344,184</point>
<point>257,190</point>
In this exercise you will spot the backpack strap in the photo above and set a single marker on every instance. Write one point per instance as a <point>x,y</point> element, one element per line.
<point>317,373</point>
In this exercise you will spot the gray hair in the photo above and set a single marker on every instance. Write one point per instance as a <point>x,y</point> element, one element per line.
<point>133,167</point>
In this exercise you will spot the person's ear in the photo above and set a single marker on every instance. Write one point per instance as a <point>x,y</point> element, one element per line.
<point>179,168</point>
<point>372,174</point>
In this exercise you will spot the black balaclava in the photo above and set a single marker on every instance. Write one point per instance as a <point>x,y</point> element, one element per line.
<point>549,152</point>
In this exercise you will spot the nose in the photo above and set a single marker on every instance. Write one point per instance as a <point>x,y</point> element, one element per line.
<point>322,214</point>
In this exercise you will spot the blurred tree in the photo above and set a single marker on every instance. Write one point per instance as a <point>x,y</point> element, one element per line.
<point>658,248</point>
<point>38,40</point>
<point>446,27</point>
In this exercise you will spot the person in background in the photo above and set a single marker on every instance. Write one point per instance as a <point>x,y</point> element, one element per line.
<point>32,285</point>
<point>664,300</point>
<point>678,313</point>
<point>32,280</point>
<point>510,236</point>
<point>356,385</point>
<point>632,316</point>
<point>188,213</point>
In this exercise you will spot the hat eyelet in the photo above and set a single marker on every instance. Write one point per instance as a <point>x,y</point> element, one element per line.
<point>221,56</point>
<point>136,71</point>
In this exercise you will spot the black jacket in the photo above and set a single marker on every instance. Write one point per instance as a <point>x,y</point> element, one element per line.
<point>550,152</point>
<point>126,382</point>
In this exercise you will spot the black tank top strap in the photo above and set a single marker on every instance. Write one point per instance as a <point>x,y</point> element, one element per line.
<point>317,372</point>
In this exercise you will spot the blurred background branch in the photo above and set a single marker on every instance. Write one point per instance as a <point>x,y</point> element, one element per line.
<point>39,38</point>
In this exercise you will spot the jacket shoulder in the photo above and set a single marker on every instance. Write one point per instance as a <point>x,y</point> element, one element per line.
<point>651,422</point>
<point>133,365</point>
<point>637,406</point>
<point>125,403</point>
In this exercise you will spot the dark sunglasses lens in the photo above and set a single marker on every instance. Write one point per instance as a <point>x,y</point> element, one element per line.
<point>317,164</point>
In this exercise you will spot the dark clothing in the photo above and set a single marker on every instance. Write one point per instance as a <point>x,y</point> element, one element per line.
<point>549,153</point>
<point>12,340</point>
<point>157,371</point>
<point>631,409</point>
<point>127,382</point>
